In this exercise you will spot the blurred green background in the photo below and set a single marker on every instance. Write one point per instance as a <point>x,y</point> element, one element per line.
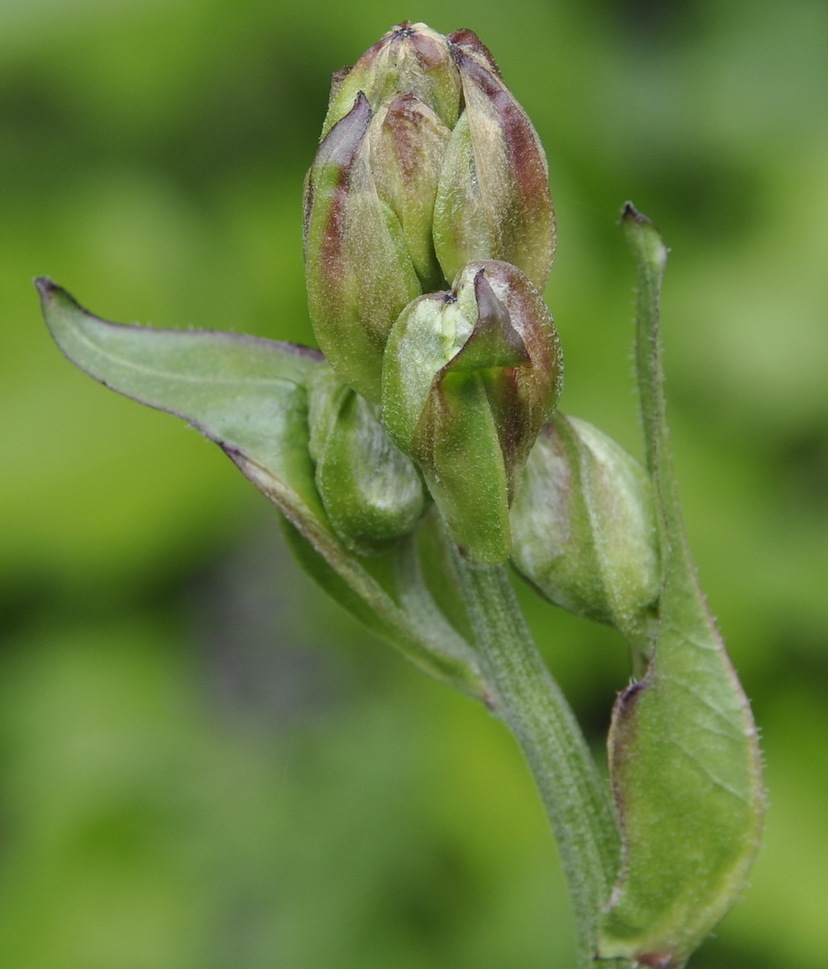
<point>203,764</point>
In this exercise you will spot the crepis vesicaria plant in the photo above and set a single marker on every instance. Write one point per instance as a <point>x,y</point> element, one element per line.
<point>425,450</point>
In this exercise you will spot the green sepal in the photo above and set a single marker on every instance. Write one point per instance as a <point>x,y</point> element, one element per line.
<point>444,421</point>
<point>249,396</point>
<point>683,752</point>
<point>408,143</point>
<point>458,442</point>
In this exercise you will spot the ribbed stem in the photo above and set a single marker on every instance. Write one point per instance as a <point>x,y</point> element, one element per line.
<point>527,699</point>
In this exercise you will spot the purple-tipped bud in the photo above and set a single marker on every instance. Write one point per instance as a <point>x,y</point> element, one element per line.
<point>427,163</point>
<point>470,376</point>
<point>493,200</point>
<point>359,274</point>
<point>409,59</point>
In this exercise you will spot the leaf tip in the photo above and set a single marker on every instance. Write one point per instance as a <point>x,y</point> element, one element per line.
<point>46,287</point>
<point>630,214</point>
<point>52,295</point>
<point>644,237</point>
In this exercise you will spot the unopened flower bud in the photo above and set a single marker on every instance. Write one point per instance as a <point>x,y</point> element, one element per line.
<point>493,200</point>
<point>359,274</point>
<point>426,163</point>
<point>409,59</point>
<point>408,145</point>
<point>584,528</point>
<point>470,376</point>
<point>373,493</point>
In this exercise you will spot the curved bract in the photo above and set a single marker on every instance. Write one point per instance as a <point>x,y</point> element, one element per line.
<point>426,164</point>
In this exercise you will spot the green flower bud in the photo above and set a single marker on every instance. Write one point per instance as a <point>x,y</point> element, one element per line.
<point>409,59</point>
<point>359,274</point>
<point>584,529</point>
<point>493,199</point>
<point>373,493</point>
<point>426,163</point>
<point>470,376</point>
<point>408,138</point>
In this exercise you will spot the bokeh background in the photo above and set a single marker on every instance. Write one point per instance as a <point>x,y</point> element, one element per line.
<point>203,764</point>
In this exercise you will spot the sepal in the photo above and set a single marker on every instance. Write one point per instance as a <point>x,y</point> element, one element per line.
<point>408,146</point>
<point>493,200</point>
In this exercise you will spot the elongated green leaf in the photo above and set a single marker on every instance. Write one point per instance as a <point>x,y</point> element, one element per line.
<point>245,394</point>
<point>684,759</point>
<point>248,395</point>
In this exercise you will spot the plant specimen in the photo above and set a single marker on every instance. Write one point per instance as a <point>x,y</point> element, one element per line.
<point>422,451</point>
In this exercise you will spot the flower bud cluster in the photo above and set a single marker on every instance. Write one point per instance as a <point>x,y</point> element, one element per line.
<point>429,236</point>
<point>426,163</point>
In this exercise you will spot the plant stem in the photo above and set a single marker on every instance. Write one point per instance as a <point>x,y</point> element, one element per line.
<point>526,697</point>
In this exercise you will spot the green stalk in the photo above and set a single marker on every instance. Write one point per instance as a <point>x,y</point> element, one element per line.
<point>528,700</point>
